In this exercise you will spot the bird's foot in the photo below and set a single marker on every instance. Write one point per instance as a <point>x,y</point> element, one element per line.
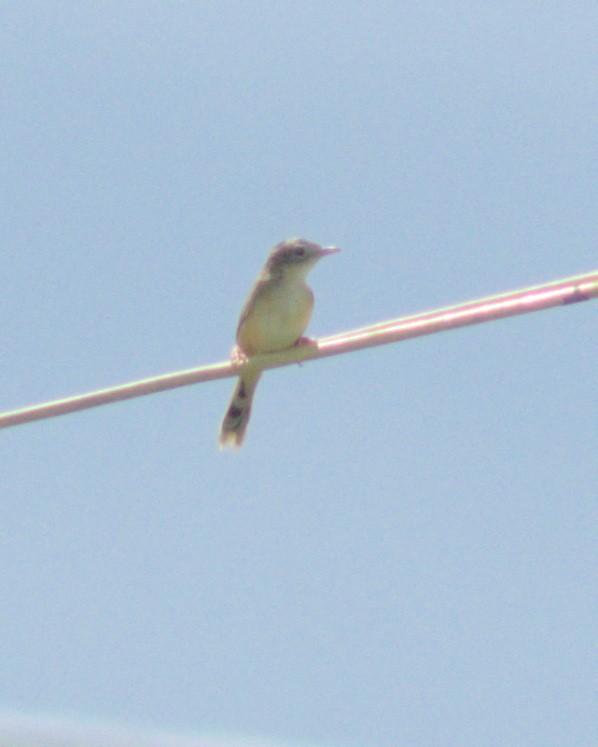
<point>306,341</point>
<point>237,356</point>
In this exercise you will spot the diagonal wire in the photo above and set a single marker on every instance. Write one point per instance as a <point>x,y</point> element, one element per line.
<point>534,298</point>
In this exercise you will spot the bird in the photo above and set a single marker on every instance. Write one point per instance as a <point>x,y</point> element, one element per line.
<point>274,317</point>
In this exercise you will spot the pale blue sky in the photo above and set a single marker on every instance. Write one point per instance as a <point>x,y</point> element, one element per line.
<point>404,552</point>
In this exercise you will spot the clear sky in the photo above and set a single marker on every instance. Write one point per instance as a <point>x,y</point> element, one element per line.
<point>405,550</point>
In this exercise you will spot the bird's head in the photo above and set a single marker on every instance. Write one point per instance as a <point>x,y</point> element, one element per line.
<point>296,255</point>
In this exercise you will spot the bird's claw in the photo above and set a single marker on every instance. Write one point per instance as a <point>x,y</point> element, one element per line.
<point>237,356</point>
<point>306,341</point>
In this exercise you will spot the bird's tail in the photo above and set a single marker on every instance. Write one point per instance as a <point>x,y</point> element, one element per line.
<point>234,425</point>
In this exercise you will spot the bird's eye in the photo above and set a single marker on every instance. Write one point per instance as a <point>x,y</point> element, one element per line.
<point>299,251</point>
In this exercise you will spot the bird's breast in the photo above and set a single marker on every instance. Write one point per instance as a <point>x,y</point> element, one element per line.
<point>276,317</point>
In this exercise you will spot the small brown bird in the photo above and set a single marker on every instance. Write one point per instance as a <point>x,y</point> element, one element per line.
<point>274,317</point>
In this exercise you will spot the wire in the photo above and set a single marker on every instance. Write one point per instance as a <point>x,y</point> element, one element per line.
<point>534,298</point>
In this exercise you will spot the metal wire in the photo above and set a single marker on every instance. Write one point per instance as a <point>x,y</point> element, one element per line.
<point>534,298</point>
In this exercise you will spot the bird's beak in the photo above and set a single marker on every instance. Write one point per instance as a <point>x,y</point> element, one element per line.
<point>324,250</point>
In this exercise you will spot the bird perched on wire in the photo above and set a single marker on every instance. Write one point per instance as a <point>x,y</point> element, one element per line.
<point>273,318</point>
